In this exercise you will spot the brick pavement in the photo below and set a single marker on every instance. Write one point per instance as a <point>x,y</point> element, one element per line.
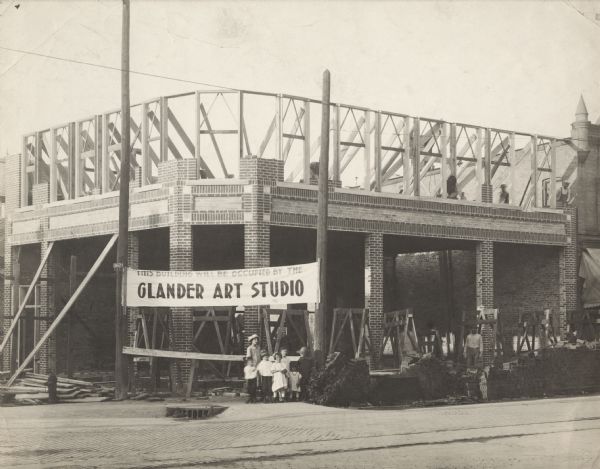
<point>135,434</point>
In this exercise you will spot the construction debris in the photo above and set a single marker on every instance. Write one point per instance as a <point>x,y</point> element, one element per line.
<point>32,388</point>
<point>342,382</point>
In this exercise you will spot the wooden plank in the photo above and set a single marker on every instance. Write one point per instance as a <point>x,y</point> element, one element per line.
<point>292,135</point>
<point>214,140</point>
<point>366,185</point>
<point>35,279</point>
<point>552,194</point>
<point>306,148</point>
<point>267,138</point>
<point>66,308</point>
<point>188,392</point>
<point>335,174</point>
<point>416,157</point>
<point>267,325</point>
<point>141,352</point>
<point>280,330</point>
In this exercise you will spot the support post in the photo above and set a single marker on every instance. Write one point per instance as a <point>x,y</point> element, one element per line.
<point>336,141</point>
<point>377,159</point>
<point>306,155</point>
<point>453,165</point>
<point>479,162</point>
<point>534,171</point>
<point>416,157</point>
<point>512,160</point>
<point>552,194</point>
<point>53,168</point>
<point>444,151</point>
<point>146,167</point>
<point>323,195</point>
<point>367,159</point>
<point>72,287</point>
<point>406,156</point>
<point>164,129</point>
<point>122,246</point>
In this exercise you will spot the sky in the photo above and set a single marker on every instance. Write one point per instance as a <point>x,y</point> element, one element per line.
<point>511,65</point>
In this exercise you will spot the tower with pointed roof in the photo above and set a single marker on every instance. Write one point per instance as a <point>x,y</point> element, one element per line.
<point>585,138</point>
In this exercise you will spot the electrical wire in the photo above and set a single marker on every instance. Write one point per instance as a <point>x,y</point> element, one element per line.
<point>118,69</point>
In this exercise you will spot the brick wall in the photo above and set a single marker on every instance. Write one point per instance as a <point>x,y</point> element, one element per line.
<point>526,279</point>
<point>177,171</point>
<point>484,273</point>
<point>374,292</point>
<point>568,270</point>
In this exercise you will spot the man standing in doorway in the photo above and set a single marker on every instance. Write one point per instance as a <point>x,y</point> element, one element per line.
<point>473,348</point>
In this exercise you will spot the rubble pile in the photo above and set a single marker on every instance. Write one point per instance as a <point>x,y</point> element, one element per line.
<point>32,388</point>
<point>341,382</point>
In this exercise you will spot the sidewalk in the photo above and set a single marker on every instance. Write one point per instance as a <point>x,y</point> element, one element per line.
<point>136,434</point>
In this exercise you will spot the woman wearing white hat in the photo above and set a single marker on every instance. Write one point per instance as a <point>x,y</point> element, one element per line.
<point>253,351</point>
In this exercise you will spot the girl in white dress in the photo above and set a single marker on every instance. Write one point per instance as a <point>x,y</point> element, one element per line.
<point>279,378</point>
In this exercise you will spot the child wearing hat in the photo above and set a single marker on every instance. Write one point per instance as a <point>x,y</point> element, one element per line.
<point>266,377</point>
<point>250,375</point>
<point>253,350</point>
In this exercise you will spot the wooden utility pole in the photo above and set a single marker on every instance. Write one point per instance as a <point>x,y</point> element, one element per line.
<point>122,246</point>
<point>320,333</point>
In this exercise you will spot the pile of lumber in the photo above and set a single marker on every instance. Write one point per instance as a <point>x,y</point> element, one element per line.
<point>32,389</point>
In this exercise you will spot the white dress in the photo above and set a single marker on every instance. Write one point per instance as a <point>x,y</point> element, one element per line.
<point>279,377</point>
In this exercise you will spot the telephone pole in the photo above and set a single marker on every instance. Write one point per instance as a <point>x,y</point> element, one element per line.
<point>122,245</point>
<point>323,197</point>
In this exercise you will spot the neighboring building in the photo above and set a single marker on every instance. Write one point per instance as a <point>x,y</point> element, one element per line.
<point>213,189</point>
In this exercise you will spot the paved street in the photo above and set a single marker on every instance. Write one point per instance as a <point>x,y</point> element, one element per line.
<point>561,433</point>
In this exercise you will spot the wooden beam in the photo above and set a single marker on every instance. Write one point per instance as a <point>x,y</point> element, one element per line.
<point>306,149</point>
<point>189,145</point>
<point>163,129</point>
<point>35,279</point>
<point>552,194</point>
<point>214,140</point>
<point>534,171</point>
<point>406,156</point>
<point>66,308</point>
<point>416,156</point>
<point>336,144</point>
<point>142,352</point>
<point>377,160</point>
<point>367,156</point>
<point>292,135</point>
<point>267,138</point>
<point>512,161</point>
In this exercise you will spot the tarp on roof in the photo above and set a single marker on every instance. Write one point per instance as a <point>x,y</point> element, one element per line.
<point>589,271</point>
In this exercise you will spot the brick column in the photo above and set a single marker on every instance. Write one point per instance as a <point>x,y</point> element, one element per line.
<point>180,258</point>
<point>487,193</point>
<point>568,270</point>
<point>12,170</point>
<point>374,293</point>
<point>46,358</point>
<point>484,273</point>
<point>261,174</point>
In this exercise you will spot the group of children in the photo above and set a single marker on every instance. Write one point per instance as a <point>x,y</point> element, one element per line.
<point>275,378</point>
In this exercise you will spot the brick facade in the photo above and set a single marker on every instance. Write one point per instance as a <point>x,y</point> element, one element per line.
<point>374,292</point>
<point>256,203</point>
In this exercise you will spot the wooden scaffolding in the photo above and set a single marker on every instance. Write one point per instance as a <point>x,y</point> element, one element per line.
<point>537,324</point>
<point>398,328</point>
<point>277,324</point>
<point>353,321</point>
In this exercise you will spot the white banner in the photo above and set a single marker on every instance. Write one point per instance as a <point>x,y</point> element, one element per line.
<point>240,287</point>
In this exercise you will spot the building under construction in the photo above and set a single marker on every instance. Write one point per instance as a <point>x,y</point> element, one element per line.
<point>227,179</point>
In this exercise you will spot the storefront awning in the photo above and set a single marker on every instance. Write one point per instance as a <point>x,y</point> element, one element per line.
<point>589,270</point>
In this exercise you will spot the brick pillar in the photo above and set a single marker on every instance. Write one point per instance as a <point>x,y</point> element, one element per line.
<point>374,293</point>
<point>133,254</point>
<point>180,258</point>
<point>10,254</point>
<point>46,358</point>
<point>484,272</point>
<point>261,174</point>
<point>568,270</point>
<point>487,193</point>
<point>12,169</point>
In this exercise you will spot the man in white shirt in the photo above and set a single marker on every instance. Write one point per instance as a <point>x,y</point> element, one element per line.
<point>473,348</point>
